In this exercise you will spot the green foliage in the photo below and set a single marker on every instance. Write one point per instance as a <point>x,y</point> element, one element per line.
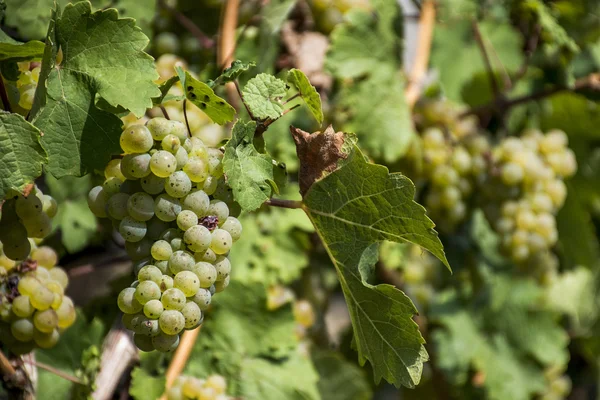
<point>10,51</point>
<point>21,155</point>
<point>253,348</point>
<point>263,94</point>
<point>308,93</point>
<point>340,379</point>
<point>31,17</point>
<point>203,97</point>
<point>145,386</point>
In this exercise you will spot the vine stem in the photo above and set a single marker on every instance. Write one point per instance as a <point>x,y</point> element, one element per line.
<point>486,59</point>
<point>4,96</point>
<point>187,124</point>
<point>188,24</point>
<point>55,371</point>
<point>180,357</point>
<point>239,92</point>
<point>419,68</point>
<point>291,98</point>
<point>284,203</point>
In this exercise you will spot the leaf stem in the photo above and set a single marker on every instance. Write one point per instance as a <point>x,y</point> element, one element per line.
<point>282,203</point>
<point>164,111</point>
<point>237,87</point>
<point>55,371</point>
<point>188,24</point>
<point>180,357</point>
<point>290,109</point>
<point>187,124</point>
<point>4,96</point>
<point>488,65</point>
<point>291,98</point>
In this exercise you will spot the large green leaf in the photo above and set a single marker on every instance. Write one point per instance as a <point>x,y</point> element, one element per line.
<point>353,208</point>
<point>21,154</point>
<point>249,173</point>
<point>103,58</point>
<point>254,348</point>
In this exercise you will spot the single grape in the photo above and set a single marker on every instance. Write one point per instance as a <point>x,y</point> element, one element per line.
<point>144,326</point>
<point>113,170</point>
<point>171,322</point>
<point>209,256</point>
<point>97,201</point>
<point>153,184</point>
<point>304,313</point>
<point>187,281</point>
<point>132,230</point>
<point>219,209</point>
<point>163,163</point>
<point>27,95</point>
<point>153,309</point>
<point>140,206</point>
<point>117,206</point>
<point>22,329</point>
<point>28,206</point>
<point>179,129</point>
<point>178,184</point>
<point>45,321</point>
<point>135,165</point>
<point>202,298</point>
<point>46,340</point>
<point>42,298</point>
<point>210,185</point>
<point>161,250</point>
<point>127,301</point>
<point>187,219</point>
<point>146,291</point>
<point>45,256</point>
<point>150,273</point>
<point>66,313</point>
<point>49,206</point>
<point>198,238</point>
<point>223,267</point>
<point>222,285</point>
<point>136,139</point>
<point>196,169</point>
<point>192,315</point>
<point>512,174</point>
<point>180,261</point>
<point>173,299</point>
<point>112,186</point>
<point>28,285</point>
<point>159,127</point>
<point>198,202</point>
<point>221,241</point>
<point>166,282</point>
<point>206,272</point>
<point>182,158</point>
<point>170,234</point>
<point>59,275</point>
<point>22,307</point>
<point>41,274</point>
<point>165,343</point>
<point>143,342</point>
<point>38,226</point>
<point>215,166</point>
<point>166,207</point>
<point>171,143</point>
<point>234,227</point>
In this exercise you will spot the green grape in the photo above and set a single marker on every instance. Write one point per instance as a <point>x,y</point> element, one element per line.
<point>198,202</point>
<point>139,264</point>
<point>173,299</point>
<point>38,226</point>
<point>138,250</point>
<point>55,287</point>
<point>136,139</point>
<point>131,186</point>
<point>182,158</point>
<point>215,166</point>
<point>112,186</point>
<point>42,298</point>
<point>132,230</point>
<point>209,186</point>
<point>163,163</point>
<point>192,315</point>
<point>22,307</point>
<point>16,246</point>
<point>22,329</point>
<point>143,342</point>
<point>146,291</point>
<point>28,206</point>
<point>28,285</point>
<point>166,207</point>
<point>27,95</point>
<point>166,283</point>
<point>180,261</point>
<point>155,228</point>
<point>135,165</point>
<point>177,244</point>
<point>66,313</point>
<point>198,238</point>
<point>127,301</point>
<point>234,227</point>
<point>186,281</point>
<point>450,196</point>
<point>196,169</point>
<point>49,206</point>
<point>113,170</point>
<point>45,321</point>
<point>170,234</point>
<point>144,326</point>
<point>222,285</point>
<point>161,250</point>
<point>150,273</point>
<point>179,129</point>
<point>97,201</point>
<point>187,219</point>
<point>171,143</point>
<point>219,209</point>
<point>178,184</point>
<point>206,272</point>
<point>41,274</point>
<point>202,298</point>
<point>223,267</point>
<point>221,241</point>
<point>171,322</point>
<point>208,256</point>
<point>46,340</point>
<point>159,127</point>
<point>165,343</point>
<point>117,206</point>
<point>153,184</point>
<point>512,174</point>
<point>140,206</point>
<point>153,309</point>
<point>45,256</point>
<point>59,275</point>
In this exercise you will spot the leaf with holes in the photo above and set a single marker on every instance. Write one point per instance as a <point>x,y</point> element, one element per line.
<point>262,94</point>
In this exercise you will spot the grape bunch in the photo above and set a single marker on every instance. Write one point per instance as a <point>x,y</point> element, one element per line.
<point>525,190</point>
<point>161,198</point>
<point>33,306</point>
<point>190,388</point>
<point>22,91</point>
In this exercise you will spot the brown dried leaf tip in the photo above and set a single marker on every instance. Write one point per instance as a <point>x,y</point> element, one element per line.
<point>318,153</point>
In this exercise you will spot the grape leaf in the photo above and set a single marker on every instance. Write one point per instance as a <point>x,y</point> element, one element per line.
<point>364,41</point>
<point>30,17</point>
<point>231,73</point>
<point>145,386</point>
<point>339,379</point>
<point>143,11</point>
<point>203,97</point>
<point>249,173</point>
<point>353,208</point>
<point>21,51</point>
<point>253,348</point>
<point>308,93</point>
<point>21,154</point>
<point>262,94</point>
<point>572,113</point>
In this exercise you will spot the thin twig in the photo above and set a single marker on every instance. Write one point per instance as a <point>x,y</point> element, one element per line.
<point>4,96</point>
<point>291,98</point>
<point>486,59</point>
<point>239,91</point>
<point>205,41</point>
<point>284,203</point>
<point>185,117</point>
<point>55,371</point>
<point>164,111</point>
<point>180,357</point>
<point>419,68</point>
<point>290,109</point>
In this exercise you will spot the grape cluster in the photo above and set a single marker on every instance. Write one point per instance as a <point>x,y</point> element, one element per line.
<point>33,306</point>
<point>525,190</point>
<point>159,198</point>
<point>22,91</point>
<point>190,388</point>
